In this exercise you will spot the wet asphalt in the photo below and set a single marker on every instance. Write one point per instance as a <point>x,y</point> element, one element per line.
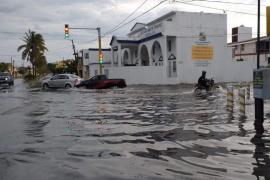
<point>140,132</point>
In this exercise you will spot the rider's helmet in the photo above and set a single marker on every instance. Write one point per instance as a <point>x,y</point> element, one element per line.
<point>203,72</point>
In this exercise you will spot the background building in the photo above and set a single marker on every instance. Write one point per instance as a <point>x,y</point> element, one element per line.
<point>245,52</point>
<point>90,62</point>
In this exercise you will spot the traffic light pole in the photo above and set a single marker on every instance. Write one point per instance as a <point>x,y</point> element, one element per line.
<point>259,103</point>
<point>99,43</point>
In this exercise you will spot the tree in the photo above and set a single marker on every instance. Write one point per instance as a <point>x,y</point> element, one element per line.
<point>71,66</point>
<point>33,49</point>
<point>52,68</point>
<point>4,66</point>
<point>22,70</point>
<point>41,64</point>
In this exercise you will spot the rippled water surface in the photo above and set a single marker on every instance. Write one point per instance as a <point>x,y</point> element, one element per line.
<point>140,132</point>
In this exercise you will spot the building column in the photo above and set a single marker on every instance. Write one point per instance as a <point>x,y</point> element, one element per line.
<point>119,52</point>
<point>139,56</point>
<point>165,55</point>
<point>178,55</point>
<point>112,56</point>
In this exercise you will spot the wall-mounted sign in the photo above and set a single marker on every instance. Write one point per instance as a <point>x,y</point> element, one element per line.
<point>202,52</point>
<point>149,31</point>
<point>258,79</point>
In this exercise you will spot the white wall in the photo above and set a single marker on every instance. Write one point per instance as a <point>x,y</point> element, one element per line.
<point>141,75</point>
<point>244,33</point>
<point>214,27</point>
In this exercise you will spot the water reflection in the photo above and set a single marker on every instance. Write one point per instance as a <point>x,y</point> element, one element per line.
<point>242,131</point>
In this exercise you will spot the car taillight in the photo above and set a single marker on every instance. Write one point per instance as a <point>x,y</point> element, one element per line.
<point>76,81</point>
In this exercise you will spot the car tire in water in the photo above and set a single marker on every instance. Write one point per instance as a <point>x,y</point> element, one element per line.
<point>45,86</point>
<point>67,86</point>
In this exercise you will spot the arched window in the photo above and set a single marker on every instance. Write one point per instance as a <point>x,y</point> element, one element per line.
<point>144,56</point>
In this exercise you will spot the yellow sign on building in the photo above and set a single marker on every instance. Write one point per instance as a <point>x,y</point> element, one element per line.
<point>268,20</point>
<point>202,52</point>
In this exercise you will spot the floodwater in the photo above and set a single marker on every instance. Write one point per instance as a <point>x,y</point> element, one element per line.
<point>140,132</point>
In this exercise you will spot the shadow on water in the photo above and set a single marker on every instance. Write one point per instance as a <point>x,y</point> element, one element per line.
<point>261,155</point>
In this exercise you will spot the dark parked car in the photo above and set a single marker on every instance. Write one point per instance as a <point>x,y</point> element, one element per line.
<point>102,82</point>
<point>6,78</point>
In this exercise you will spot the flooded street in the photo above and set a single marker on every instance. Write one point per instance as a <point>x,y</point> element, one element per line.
<point>140,132</point>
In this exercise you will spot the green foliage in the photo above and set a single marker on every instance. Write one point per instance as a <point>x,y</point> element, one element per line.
<point>33,51</point>
<point>22,70</point>
<point>65,66</point>
<point>51,68</point>
<point>71,66</point>
<point>4,66</point>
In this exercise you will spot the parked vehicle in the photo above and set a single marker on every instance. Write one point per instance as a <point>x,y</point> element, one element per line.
<point>102,82</point>
<point>61,81</point>
<point>6,78</point>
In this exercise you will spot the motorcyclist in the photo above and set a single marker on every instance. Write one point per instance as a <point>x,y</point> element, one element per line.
<point>203,82</point>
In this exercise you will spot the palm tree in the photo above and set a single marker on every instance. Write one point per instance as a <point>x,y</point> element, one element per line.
<point>33,48</point>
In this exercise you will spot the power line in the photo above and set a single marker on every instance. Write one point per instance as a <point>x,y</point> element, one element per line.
<point>191,4</point>
<point>225,2</point>
<point>127,16</point>
<point>142,14</point>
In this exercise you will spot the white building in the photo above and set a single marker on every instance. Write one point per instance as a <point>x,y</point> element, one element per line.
<point>175,48</point>
<point>90,59</point>
<point>245,52</point>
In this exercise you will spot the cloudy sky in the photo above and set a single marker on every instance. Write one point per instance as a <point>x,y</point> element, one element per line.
<point>49,16</point>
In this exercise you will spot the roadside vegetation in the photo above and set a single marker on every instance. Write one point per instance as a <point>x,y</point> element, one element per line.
<point>33,51</point>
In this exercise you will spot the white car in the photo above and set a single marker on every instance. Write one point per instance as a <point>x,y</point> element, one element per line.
<point>61,81</point>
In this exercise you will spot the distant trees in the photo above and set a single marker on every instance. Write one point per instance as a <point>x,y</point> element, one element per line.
<point>33,51</point>
<point>4,66</point>
<point>64,66</point>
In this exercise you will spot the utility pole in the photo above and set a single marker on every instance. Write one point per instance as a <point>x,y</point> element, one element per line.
<point>11,63</point>
<point>99,49</point>
<point>74,50</point>
<point>76,56</point>
<point>259,102</point>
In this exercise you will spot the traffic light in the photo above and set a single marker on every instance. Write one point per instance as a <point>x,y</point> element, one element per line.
<point>66,31</point>
<point>100,58</point>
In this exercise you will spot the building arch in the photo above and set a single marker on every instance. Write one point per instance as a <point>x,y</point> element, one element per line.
<point>157,57</point>
<point>144,56</point>
<point>126,57</point>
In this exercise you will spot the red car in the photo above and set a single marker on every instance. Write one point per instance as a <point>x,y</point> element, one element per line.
<point>102,82</point>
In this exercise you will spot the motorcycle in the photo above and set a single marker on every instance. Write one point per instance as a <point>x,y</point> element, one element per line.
<point>210,87</point>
